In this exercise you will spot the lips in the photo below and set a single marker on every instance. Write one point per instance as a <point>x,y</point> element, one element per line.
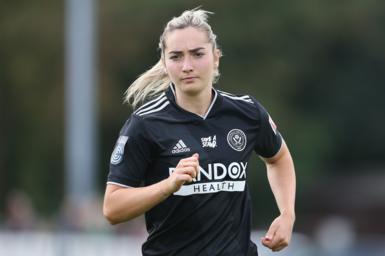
<point>189,78</point>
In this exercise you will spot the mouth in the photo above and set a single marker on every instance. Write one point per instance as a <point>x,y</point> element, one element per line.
<point>189,78</point>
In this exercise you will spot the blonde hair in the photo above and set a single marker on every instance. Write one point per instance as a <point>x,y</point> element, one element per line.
<point>155,80</point>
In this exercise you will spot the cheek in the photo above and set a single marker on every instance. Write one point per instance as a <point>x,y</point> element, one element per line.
<point>172,68</point>
<point>207,65</point>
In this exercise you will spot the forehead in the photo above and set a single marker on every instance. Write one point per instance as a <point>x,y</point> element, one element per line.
<point>185,39</point>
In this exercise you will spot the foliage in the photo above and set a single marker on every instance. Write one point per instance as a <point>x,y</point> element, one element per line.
<point>317,66</point>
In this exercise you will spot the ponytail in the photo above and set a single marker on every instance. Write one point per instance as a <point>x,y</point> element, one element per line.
<point>147,85</point>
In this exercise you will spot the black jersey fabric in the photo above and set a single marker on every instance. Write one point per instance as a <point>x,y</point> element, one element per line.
<point>212,215</point>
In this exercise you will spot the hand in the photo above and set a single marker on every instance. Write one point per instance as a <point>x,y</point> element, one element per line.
<point>279,234</point>
<point>186,171</point>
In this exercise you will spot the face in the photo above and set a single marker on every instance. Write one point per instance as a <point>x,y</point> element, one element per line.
<point>190,60</point>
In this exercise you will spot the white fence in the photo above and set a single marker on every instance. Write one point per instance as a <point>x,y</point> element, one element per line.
<point>89,244</point>
<point>68,244</point>
<point>84,244</point>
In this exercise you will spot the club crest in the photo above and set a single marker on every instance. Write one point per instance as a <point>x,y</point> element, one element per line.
<point>237,140</point>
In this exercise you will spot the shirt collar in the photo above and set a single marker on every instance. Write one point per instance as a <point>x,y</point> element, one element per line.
<point>170,93</point>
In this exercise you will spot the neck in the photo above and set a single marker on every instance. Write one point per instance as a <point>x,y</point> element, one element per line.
<point>196,103</point>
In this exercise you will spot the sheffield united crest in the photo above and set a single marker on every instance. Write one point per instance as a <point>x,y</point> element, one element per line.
<point>237,139</point>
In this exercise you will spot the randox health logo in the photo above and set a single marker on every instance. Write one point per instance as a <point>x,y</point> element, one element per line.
<point>215,178</point>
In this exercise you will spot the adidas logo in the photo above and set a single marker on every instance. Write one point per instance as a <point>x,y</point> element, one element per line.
<point>180,147</point>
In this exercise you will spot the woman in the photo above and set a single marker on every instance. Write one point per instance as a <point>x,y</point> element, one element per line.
<point>182,157</point>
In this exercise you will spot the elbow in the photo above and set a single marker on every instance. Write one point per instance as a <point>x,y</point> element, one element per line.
<point>115,216</point>
<point>110,215</point>
<point>114,210</point>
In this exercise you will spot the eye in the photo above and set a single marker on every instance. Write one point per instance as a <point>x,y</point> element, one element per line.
<point>174,57</point>
<point>199,54</point>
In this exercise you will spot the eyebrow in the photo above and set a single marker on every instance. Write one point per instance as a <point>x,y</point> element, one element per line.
<point>192,50</point>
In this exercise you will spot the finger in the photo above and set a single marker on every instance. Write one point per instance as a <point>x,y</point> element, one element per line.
<point>194,157</point>
<point>180,180</point>
<point>185,178</point>
<point>280,245</point>
<point>190,171</point>
<point>275,242</point>
<point>279,242</point>
<point>194,165</point>
<point>266,241</point>
<point>269,239</point>
<point>188,159</point>
<point>270,234</point>
<point>193,171</point>
<point>188,163</point>
<point>274,247</point>
<point>186,170</point>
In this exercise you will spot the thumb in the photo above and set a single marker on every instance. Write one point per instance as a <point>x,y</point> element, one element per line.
<point>266,239</point>
<point>270,234</point>
<point>196,155</point>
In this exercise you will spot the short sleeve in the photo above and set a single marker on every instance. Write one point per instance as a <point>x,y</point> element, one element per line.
<point>132,154</point>
<point>269,140</point>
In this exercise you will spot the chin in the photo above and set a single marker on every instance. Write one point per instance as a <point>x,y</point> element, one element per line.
<point>191,88</point>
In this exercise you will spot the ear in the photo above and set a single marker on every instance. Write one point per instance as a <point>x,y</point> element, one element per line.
<point>164,64</point>
<point>217,56</point>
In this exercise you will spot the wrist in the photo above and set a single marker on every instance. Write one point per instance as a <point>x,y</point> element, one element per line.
<point>288,214</point>
<point>164,188</point>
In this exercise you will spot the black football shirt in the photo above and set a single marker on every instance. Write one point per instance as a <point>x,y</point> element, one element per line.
<point>211,215</point>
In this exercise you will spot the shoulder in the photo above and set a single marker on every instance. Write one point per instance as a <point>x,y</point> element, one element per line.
<point>154,107</point>
<point>140,121</point>
<point>132,127</point>
<point>236,98</point>
<point>245,103</point>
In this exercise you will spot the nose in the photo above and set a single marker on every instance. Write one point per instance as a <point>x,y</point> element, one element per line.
<point>187,65</point>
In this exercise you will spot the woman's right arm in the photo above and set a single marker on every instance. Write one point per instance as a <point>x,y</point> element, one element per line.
<point>122,204</point>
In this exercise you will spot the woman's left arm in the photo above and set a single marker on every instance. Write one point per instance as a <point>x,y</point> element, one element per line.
<point>281,176</point>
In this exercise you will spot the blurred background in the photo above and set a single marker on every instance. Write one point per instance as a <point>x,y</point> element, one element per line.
<point>317,66</point>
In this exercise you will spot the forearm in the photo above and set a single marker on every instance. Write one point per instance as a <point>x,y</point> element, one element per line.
<point>122,204</point>
<point>281,176</point>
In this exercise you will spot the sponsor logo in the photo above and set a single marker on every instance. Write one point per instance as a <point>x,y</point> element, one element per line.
<point>211,187</point>
<point>117,154</point>
<point>209,142</point>
<point>215,178</point>
<point>237,140</point>
<point>180,147</point>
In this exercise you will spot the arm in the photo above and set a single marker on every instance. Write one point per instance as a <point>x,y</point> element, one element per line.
<point>122,204</point>
<point>281,176</point>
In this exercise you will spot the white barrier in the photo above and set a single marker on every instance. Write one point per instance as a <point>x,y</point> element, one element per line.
<point>88,244</point>
<point>68,244</point>
<point>104,244</point>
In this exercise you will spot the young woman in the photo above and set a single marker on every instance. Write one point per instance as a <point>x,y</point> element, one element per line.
<point>182,157</point>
